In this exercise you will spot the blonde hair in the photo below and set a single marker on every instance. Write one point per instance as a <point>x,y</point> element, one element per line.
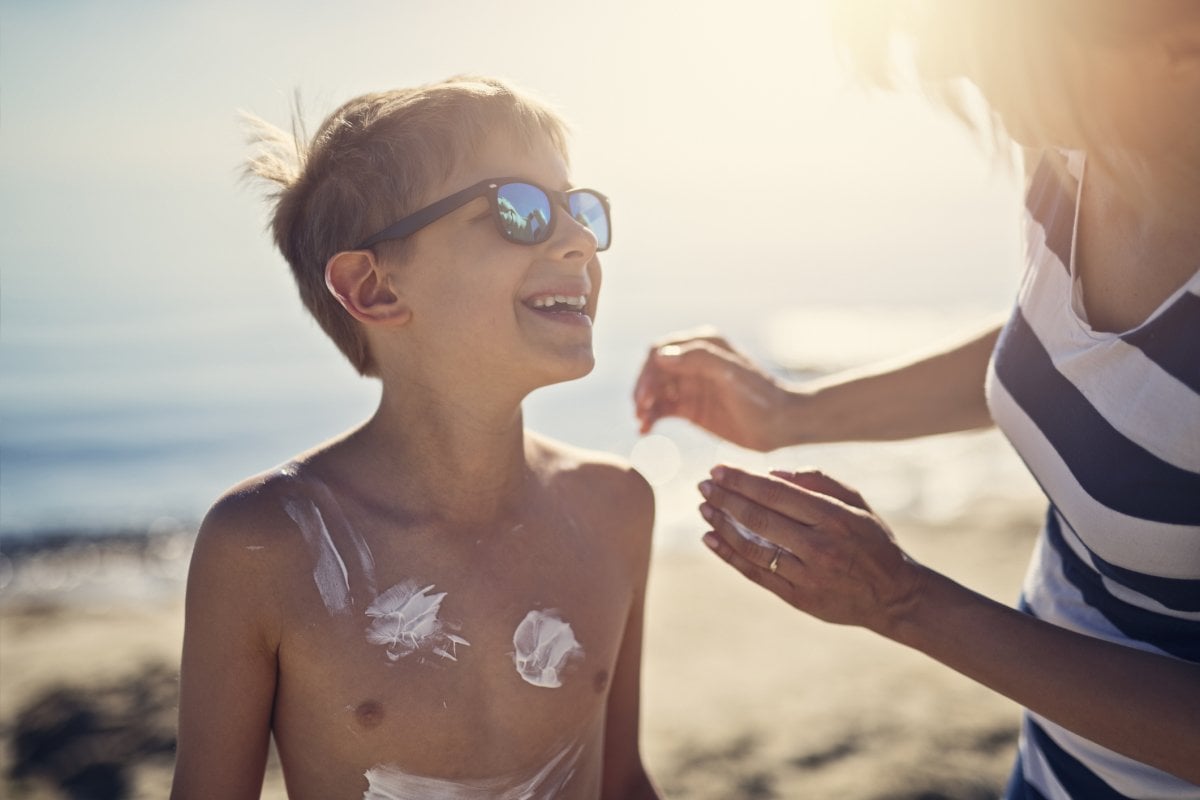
<point>1032,60</point>
<point>372,162</point>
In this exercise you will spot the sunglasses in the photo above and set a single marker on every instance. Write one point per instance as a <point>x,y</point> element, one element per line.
<point>525,213</point>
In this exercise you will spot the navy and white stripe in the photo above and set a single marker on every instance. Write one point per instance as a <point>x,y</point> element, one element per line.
<point>1109,425</point>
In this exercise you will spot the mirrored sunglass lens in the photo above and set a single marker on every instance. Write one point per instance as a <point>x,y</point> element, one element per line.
<point>524,212</point>
<point>588,210</point>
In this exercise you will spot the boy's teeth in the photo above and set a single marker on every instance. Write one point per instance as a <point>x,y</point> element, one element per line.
<point>575,301</point>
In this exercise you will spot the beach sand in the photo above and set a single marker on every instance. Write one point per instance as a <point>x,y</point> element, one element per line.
<point>742,696</point>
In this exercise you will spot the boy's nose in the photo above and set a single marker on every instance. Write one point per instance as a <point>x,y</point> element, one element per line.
<point>572,239</point>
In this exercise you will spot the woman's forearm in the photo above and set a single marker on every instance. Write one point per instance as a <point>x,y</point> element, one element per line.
<point>938,393</point>
<point>1140,704</point>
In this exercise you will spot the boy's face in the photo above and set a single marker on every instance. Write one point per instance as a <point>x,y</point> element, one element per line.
<point>479,301</point>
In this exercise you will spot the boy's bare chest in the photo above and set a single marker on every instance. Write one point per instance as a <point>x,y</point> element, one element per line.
<point>485,646</point>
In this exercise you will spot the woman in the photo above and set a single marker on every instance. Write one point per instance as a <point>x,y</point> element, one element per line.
<point>1095,380</point>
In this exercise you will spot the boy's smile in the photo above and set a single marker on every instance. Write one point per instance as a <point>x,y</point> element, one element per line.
<point>561,305</point>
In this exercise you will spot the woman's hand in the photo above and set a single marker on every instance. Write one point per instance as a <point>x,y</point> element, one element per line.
<point>833,557</point>
<point>700,377</point>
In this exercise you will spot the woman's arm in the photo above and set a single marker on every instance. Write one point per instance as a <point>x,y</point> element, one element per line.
<point>702,378</point>
<point>1143,705</point>
<point>840,563</point>
<point>938,392</point>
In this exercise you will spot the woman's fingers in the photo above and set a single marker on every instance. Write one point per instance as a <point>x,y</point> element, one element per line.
<point>763,519</point>
<point>754,568</point>
<point>757,548</point>
<point>707,382</point>
<point>699,358</point>
<point>701,333</point>
<point>755,532</point>
<point>705,333</point>
<point>768,492</point>
<point>675,377</point>
<point>816,481</point>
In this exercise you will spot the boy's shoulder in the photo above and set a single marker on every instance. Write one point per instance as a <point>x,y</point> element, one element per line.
<point>249,553</point>
<point>258,514</point>
<point>598,478</point>
<point>571,461</point>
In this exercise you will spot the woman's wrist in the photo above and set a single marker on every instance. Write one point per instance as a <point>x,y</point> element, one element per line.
<point>937,615</point>
<point>905,616</point>
<point>794,416</point>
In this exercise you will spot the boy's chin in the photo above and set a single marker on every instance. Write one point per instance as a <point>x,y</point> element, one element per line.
<point>571,369</point>
<point>581,370</point>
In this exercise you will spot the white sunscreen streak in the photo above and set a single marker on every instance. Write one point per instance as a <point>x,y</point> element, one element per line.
<point>751,536</point>
<point>366,562</point>
<point>748,534</point>
<point>404,619</point>
<point>544,644</point>
<point>386,782</point>
<point>329,572</point>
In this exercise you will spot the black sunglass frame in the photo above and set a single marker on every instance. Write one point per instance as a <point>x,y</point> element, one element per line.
<point>489,188</point>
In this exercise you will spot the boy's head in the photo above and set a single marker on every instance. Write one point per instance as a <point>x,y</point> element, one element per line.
<point>373,161</point>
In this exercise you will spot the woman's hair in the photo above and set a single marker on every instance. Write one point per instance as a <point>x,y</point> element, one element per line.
<point>1036,62</point>
<point>372,162</point>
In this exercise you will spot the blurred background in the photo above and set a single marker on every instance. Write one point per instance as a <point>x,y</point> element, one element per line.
<point>153,351</point>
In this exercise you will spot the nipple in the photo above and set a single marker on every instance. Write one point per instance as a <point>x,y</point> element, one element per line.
<point>369,713</point>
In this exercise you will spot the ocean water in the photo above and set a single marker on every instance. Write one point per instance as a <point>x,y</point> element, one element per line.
<point>117,440</point>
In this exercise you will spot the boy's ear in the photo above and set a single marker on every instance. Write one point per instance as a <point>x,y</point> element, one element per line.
<point>364,288</point>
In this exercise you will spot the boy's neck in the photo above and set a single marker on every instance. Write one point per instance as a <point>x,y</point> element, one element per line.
<point>454,459</point>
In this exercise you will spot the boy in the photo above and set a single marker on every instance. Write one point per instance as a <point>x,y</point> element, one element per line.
<point>438,603</point>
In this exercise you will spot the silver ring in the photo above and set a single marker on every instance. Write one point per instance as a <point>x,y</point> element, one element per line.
<point>774,565</point>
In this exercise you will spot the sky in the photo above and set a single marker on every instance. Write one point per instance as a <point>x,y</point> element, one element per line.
<point>747,178</point>
<point>119,143</point>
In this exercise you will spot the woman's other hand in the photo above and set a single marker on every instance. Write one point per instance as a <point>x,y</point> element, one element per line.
<point>833,557</point>
<point>700,377</point>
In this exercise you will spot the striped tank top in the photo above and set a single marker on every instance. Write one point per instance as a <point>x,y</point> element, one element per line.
<point>1109,425</point>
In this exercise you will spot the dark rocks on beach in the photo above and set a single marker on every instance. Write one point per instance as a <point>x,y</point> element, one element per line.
<point>85,741</point>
